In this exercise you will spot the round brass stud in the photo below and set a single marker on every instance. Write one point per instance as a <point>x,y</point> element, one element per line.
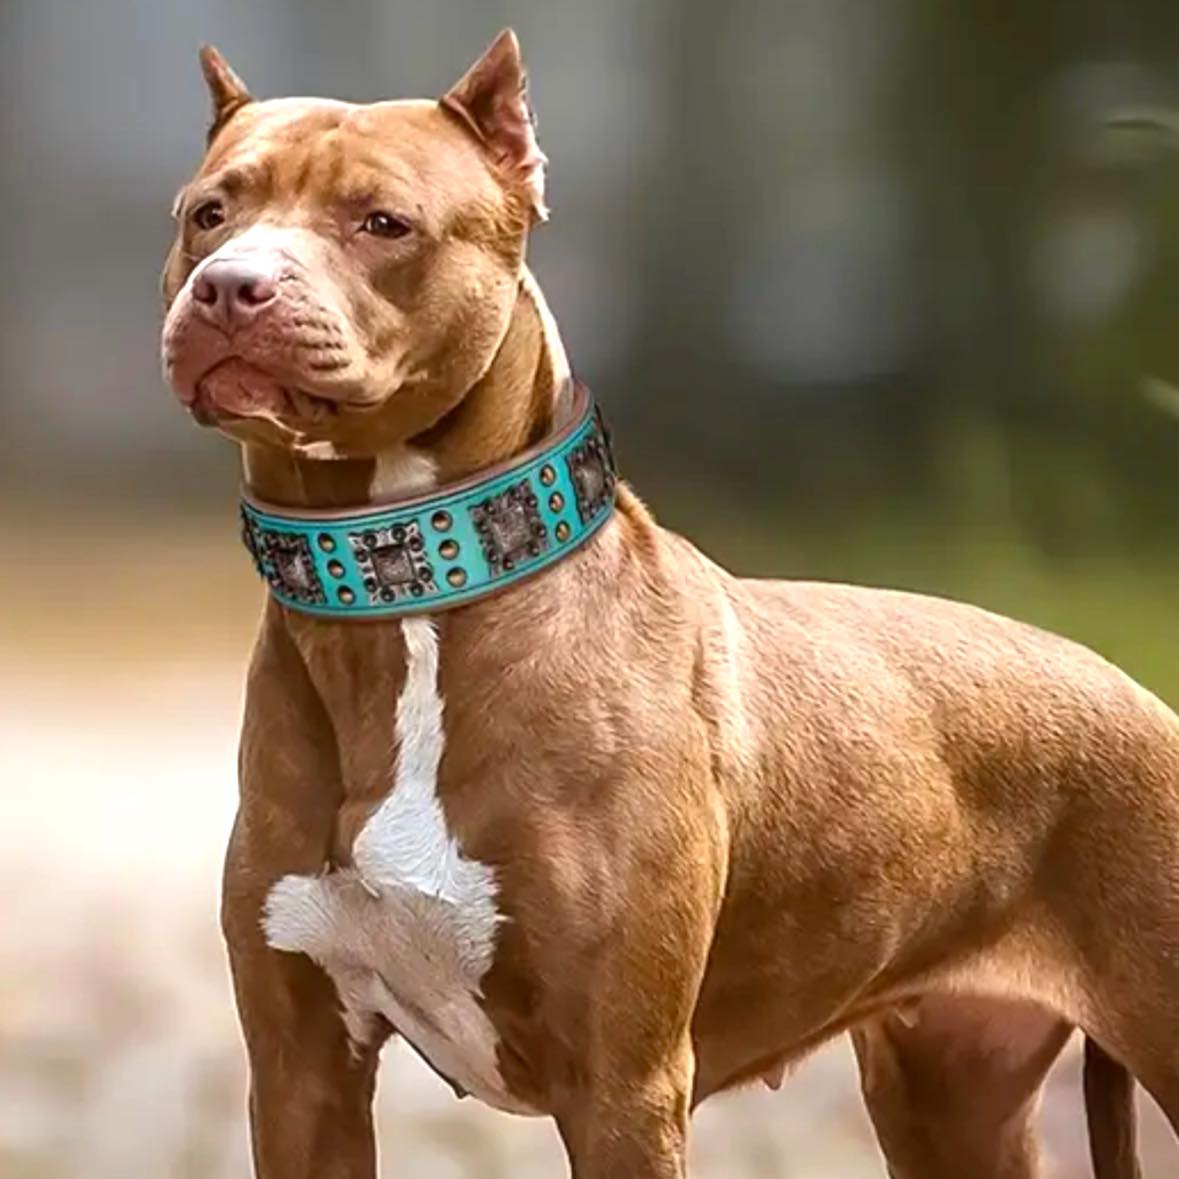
<point>562,531</point>
<point>336,568</point>
<point>326,542</point>
<point>556,502</point>
<point>441,521</point>
<point>457,577</point>
<point>448,550</point>
<point>345,595</point>
<point>548,476</point>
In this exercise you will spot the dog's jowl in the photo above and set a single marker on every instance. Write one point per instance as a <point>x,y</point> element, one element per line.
<point>595,826</point>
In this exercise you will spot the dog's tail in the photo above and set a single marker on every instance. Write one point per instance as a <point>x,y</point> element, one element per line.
<point>1109,1108</point>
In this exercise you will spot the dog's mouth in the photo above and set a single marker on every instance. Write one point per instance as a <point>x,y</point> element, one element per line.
<point>234,389</point>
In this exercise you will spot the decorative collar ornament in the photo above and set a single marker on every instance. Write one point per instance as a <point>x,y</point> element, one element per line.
<point>461,542</point>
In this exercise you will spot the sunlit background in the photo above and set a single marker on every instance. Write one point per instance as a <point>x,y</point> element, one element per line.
<point>869,289</point>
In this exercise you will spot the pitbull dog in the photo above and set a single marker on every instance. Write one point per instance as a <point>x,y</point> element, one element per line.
<point>633,831</point>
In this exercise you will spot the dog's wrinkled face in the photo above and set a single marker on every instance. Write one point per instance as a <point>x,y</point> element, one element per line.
<point>342,274</point>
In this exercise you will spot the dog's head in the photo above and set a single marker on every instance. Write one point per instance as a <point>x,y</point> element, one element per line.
<point>341,274</point>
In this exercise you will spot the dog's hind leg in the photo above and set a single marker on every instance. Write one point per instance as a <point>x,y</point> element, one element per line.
<point>952,1084</point>
<point>1110,1111</point>
<point>1114,895</point>
<point>1145,1049</point>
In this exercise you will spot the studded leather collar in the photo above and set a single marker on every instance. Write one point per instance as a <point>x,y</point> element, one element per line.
<point>460,542</point>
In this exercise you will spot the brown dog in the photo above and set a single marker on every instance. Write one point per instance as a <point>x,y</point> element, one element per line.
<point>633,831</point>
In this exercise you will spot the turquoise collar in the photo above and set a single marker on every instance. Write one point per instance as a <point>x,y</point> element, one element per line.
<point>460,543</point>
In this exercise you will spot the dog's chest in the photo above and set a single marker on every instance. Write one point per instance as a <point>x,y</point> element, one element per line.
<point>407,932</point>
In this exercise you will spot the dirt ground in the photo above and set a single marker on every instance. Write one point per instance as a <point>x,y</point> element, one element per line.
<point>119,1054</point>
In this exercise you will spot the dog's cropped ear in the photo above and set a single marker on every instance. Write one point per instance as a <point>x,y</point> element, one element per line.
<point>226,89</point>
<point>491,99</point>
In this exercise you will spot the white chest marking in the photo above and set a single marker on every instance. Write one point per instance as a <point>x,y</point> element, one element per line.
<point>409,931</point>
<point>403,470</point>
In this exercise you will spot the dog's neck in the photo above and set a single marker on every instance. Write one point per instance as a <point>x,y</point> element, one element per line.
<point>514,404</point>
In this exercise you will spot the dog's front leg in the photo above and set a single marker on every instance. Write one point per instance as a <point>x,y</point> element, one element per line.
<point>311,1090</point>
<point>952,1086</point>
<point>627,1113</point>
<point>632,1124</point>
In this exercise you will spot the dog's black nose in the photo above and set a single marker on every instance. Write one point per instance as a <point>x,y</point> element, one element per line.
<point>233,290</point>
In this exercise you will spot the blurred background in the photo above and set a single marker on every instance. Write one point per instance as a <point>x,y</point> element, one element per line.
<point>870,291</point>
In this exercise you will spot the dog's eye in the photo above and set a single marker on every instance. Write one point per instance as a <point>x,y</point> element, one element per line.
<point>208,215</point>
<point>382,224</point>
